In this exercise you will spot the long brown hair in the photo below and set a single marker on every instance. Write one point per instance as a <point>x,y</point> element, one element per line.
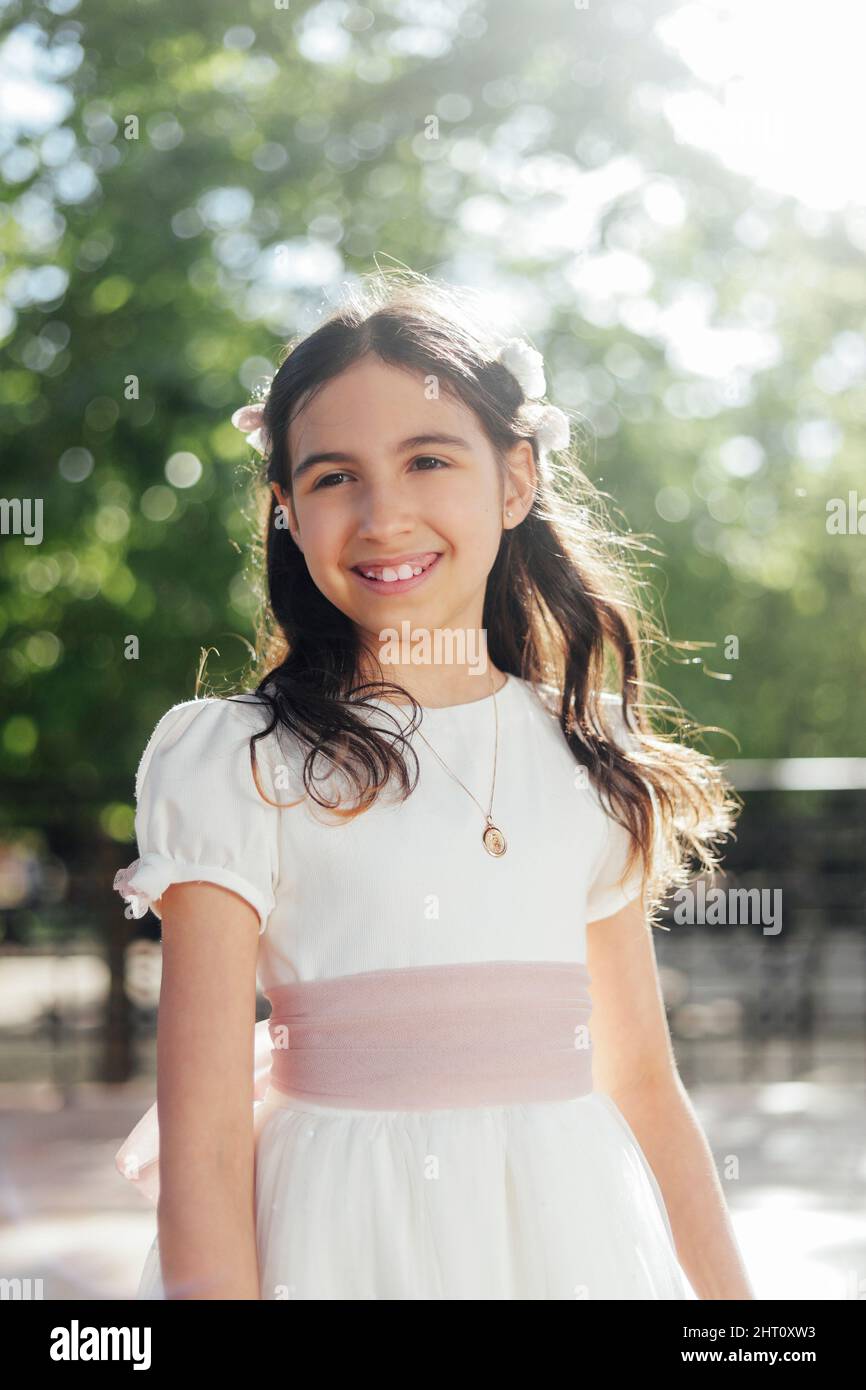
<point>563,607</point>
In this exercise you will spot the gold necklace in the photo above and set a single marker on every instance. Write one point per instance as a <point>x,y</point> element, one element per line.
<point>492,838</point>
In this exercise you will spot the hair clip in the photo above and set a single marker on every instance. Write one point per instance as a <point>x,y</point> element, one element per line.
<point>526,365</point>
<point>553,430</point>
<point>249,421</point>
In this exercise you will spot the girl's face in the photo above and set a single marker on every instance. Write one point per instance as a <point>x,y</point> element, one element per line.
<point>406,488</point>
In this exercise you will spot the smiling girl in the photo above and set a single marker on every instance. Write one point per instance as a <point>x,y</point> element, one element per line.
<point>425,864</point>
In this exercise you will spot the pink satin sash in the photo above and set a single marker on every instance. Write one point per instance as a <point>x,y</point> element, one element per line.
<point>415,1038</point>
<point>435,1037</point>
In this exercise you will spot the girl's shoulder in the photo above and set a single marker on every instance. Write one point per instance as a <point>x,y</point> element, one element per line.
<point>199,813</point>
<point>207,728</point>
<point>551,697</point>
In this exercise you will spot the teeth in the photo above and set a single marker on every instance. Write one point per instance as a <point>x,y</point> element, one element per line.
<point>389,574</point>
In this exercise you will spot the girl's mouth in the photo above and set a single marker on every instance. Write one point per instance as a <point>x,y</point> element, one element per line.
<point>397,578</point>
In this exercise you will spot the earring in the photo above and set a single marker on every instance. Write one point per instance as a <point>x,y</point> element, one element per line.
<point>508,513</point>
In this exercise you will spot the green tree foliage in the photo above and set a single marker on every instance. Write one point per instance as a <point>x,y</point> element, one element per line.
<point>210,179</point>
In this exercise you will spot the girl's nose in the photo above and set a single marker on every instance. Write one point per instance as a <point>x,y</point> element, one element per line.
<point>383,511</point>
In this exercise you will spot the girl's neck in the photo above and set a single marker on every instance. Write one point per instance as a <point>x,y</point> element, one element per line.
<point>437,687</point>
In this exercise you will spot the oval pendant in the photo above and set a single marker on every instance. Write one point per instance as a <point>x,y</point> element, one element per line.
<point>494,841</point>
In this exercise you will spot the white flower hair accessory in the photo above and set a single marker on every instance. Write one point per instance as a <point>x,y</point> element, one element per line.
<point>249,421</point>
<point>554,430</point>
<point>526,364</point>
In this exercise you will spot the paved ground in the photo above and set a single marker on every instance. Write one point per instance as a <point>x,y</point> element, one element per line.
<point>798,1204</point>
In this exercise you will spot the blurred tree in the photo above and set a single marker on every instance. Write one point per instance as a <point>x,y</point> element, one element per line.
<point>204,184</point>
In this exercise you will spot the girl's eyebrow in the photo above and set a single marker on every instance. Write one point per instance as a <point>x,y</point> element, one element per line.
<point>415,441</point>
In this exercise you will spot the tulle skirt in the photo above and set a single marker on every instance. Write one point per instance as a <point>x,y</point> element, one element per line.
<point>551,1200</point>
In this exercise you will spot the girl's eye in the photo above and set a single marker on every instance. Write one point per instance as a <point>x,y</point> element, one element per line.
<point>326,480</point>
<point>430,458</point>
<point>331,479</point>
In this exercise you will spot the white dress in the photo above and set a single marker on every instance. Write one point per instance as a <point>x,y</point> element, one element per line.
<point>551,1200</point>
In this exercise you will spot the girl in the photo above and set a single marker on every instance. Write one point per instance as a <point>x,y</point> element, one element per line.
<point>423,833</point>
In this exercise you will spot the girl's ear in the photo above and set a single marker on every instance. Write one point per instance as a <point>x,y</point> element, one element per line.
<point>521,485</point>
<point>283,501</point>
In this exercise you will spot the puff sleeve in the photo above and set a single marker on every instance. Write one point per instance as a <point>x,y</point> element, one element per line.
<point>610,891</point>
<point>199,815</point>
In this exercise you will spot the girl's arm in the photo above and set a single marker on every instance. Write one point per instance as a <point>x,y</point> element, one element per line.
<point>633,1063</point>
<point>205,1038</point>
